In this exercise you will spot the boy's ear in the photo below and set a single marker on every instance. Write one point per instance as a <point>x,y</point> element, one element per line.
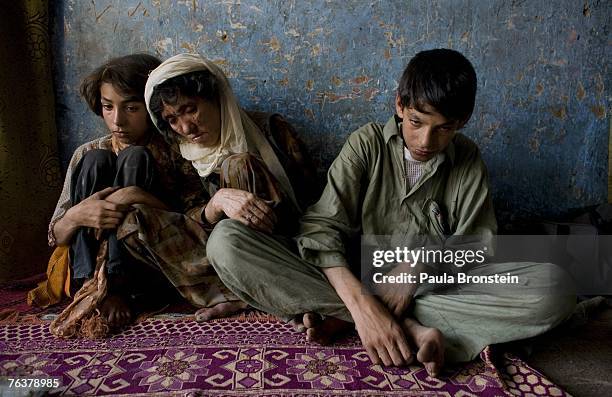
<point>399,109</point>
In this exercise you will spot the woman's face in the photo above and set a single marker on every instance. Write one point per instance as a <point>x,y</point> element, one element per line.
<point>194,119</point>
<point>126,117</point>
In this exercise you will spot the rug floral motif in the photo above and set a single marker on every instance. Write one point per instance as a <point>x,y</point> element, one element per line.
<point>241,357</point>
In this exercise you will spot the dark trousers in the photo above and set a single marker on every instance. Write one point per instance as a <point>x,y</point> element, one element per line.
<point>97,170</point>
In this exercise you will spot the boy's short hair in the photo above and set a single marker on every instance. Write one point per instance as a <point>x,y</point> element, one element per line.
<point>201,84</point>
<point>128,74</point>
<point>441,78</point>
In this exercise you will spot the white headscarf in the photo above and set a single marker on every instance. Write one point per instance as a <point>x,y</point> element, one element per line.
<point>235,124</point>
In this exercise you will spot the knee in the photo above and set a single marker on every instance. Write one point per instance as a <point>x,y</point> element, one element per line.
<point>98,159</point>
<point>557,299</point>
<point>225,244</point>
<point>134,156</point>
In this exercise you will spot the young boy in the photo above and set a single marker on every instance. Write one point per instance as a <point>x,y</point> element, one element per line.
<point>413,176</point>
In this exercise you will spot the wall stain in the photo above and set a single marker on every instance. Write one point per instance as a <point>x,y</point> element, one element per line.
<point>586,10</point>
<point>580,94</point>
<point>599,85</point>
<point>559,113</point>
<point>599,111</point>
<point>534,144</point>
<point>292,32</point>
<point>370,93</point>
<point>361,80</point>
<point>491,129</point>
<point>315,32</point>
<point>336,80</point>
<point>189,47</point>
<point>222,35</point>
<point>326,96</point>
<point>309,85</point>
<point>316,50</point>
<point>309,113</point>
<point>539,89</point>
<point>99,16</point>
<point>131,13</point>
<point>162,46</point>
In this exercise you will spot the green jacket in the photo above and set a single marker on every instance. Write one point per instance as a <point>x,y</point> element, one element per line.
<point>367,194</point>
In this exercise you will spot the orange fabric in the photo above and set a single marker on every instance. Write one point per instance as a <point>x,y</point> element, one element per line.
<point>57,284</point>
<point>82,317</point>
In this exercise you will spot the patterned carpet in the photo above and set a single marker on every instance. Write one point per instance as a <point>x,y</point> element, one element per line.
<point>248,356</point>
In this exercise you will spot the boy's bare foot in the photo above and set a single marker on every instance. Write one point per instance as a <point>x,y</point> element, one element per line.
<point>430,345</point>
<point>323,331</point>
<point>116,311</point>
<point>219,310</point>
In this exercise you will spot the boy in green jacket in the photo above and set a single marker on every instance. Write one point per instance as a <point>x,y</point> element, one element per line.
<point>413,176</point>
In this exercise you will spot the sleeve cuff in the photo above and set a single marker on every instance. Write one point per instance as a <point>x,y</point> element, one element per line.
<point>325,258</point>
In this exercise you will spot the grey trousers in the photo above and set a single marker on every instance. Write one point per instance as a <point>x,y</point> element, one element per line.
<point>268,274</point>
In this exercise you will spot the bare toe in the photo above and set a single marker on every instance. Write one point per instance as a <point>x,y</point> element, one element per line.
<point>430,345</point>
<point>116,311</point>
<point>311,320</point>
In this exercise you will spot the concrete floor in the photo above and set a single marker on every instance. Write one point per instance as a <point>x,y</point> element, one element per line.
<point>578,355</point>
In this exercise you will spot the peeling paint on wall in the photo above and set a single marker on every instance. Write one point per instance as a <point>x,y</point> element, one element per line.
<point>542,111</point>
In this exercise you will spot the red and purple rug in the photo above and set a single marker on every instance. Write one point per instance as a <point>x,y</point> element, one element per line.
<point>248,356</point>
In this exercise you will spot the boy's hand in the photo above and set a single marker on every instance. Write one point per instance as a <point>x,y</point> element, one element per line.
<point>397,297</point>
<point>381,335</point>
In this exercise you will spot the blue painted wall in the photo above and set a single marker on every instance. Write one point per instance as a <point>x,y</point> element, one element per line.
<point>542,111</point>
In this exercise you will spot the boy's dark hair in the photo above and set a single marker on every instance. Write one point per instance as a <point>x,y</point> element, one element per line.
<point>128,74</point>
<point>443,79</point>
<point>201,84</point>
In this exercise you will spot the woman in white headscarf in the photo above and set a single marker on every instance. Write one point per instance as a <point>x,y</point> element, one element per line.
<point>251,163</point>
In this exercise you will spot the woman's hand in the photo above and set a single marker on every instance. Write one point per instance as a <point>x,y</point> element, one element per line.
<point>242,206</point>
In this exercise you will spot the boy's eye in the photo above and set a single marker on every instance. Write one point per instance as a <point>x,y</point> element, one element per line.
<point>447,128</point>
<point>107,106</point>
<point>171,120</point>
<point>414,122</point>
<point>190,109</point>
<point>132,108</point>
